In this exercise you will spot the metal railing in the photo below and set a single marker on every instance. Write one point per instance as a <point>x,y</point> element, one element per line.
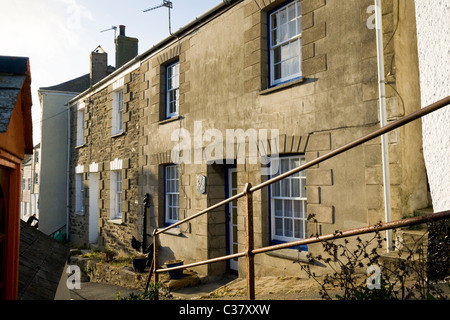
<point>248,191</point>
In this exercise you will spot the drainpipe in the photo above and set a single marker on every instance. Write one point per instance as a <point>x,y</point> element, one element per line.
<point>67,171</point>
<point>383,120</point>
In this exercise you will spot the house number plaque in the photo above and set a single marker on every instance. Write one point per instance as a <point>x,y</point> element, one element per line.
<point>201,184</point>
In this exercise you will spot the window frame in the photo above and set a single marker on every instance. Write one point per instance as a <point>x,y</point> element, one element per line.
<point>168,91</point>
<point>79,192</point>
<point>80,126</point>
<point>302,198</point>
<point>117,115</point>
<point>297,37</point>
<point>168,216</point>
<point>116,191</point>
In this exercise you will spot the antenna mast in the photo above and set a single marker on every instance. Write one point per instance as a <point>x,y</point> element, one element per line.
<point>167,4</point>
<point>112,28</point>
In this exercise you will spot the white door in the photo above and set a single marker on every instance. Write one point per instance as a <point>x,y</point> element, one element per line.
<point>232,218</point>
<point>93,207</point>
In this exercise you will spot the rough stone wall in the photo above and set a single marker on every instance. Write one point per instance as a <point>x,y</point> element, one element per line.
<point>101,147</point>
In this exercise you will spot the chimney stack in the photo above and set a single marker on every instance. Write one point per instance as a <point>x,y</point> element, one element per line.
<point>126,48</point>
<point>99,65</point>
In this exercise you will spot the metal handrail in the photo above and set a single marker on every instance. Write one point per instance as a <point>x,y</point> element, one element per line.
<point>248,191</point>
<point>389,127</point>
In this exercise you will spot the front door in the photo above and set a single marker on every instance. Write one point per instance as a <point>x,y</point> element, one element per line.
<point>232,241</point>
<point>93,207</point>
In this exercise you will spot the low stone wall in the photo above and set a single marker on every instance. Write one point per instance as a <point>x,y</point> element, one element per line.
<point>103,272</point>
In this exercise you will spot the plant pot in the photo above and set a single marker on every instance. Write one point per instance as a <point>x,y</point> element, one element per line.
<point>139,264</point>
<point>175,274</point>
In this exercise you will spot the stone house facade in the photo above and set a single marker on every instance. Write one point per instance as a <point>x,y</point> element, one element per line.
<point>292,79</point>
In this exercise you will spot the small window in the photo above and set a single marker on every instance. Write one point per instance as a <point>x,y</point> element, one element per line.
<point>117,118</point>
<point>79,192</point>
<point>80,127</point>
<point>171,193</point>
<point>288,202</point>
<point>36,157</point>
<point>36,178</point>
<point>285,43</point>
<point>172,90</point>
<point>116,195</point>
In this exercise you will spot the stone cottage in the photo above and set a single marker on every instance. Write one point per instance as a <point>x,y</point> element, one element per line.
<point>248,90</point>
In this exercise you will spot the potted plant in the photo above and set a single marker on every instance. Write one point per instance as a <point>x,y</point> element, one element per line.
<point>175,274</point>
<point>139,263</point>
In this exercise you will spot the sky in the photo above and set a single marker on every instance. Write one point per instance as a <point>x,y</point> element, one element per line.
<point>59,35</point>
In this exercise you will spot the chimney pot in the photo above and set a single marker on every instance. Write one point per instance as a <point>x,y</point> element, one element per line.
<point>122,30</point>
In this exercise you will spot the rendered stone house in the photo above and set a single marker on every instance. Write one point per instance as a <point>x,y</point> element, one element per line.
<point>248,87</point>
<point>30,184</point>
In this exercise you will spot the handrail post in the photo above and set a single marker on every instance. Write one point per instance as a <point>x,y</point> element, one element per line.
<point>249,242</point>
<point>156,259</point>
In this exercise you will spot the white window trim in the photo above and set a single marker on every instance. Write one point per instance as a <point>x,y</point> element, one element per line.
<point>167,92</point>
<point>115,166</point>
<point>167,194</point>
<point>301,198</point>
<point>297,37</point>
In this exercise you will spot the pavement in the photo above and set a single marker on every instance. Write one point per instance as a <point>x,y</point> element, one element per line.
<point>103,291</point>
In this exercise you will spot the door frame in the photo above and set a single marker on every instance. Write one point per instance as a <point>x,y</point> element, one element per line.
<point>232,264</point>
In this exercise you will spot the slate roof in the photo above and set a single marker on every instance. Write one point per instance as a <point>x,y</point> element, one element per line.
<point>76,85</point>
<point>13,72</point>
<point>41,264</point>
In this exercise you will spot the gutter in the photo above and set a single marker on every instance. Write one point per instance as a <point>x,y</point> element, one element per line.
<point>205,17</point>
<point>68,171</point>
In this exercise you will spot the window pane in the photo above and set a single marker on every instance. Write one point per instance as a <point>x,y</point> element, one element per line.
<point>277,72</point>
<point>288,228</point>
<point>292,28</point>
<point>283,32</point>
<point>303,188</point>
<point>276,189</point>
<point>283,16</point>
<point>278,208</point>
<point>277,55</point>
<point>285,188</point>
<point>288,208</point>
<point>279,227</point>
<point>298,229</point>
<point>291,12</point>
<point>295,188</point>
<point>274,21</point>
<point>298,209</point>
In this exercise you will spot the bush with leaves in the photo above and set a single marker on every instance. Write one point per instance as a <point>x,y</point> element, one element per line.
<point>403,278</point>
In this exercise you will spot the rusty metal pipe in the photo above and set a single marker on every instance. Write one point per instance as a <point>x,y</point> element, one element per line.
<point>349,233</point>
<point>217,205</point>
<point>354,232</point>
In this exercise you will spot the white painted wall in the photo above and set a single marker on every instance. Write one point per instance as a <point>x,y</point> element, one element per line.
<point>433,25</point>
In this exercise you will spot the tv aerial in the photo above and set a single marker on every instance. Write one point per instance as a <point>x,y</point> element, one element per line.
<point>112,28</point>
<point>167,4</point>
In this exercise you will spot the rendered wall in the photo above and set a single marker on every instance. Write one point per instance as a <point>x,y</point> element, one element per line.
<point>434,54</point>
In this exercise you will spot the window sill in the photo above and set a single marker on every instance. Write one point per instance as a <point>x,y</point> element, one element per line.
<point>289,254</point>
<point>80,146</point>
<point>118,134</point>
<point>169,120</point>
<point>282,86</point>
<point>116,221</point>
<point>172,232</point>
